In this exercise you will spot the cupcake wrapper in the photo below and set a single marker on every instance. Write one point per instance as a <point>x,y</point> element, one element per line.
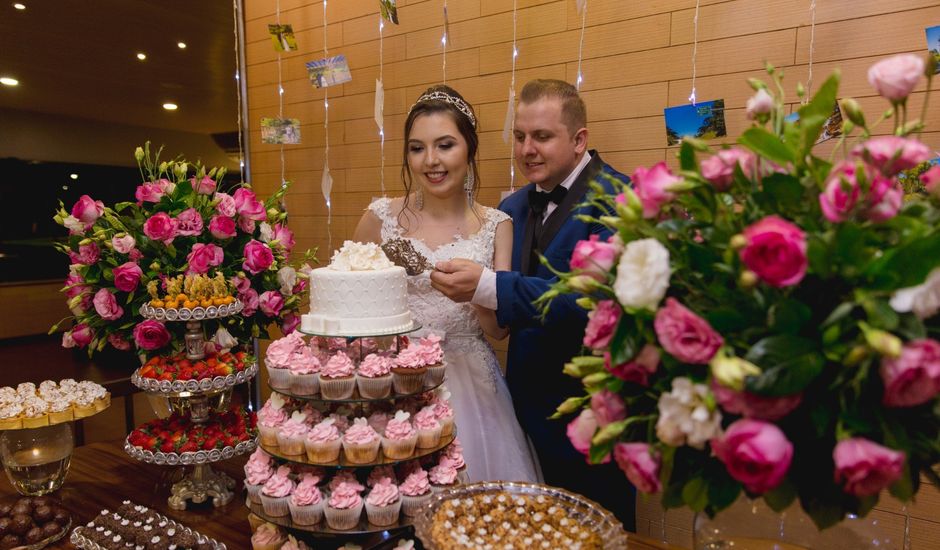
<point>337,388</point>
<point>342,519</point>
<point>428,439</point>
<point>290,445</point>
<point>268,435</point>
<point>435,375</point>
<point>254,492</point>
<point>447,426</point>
<point>399,448</point>
<point>411,505</point>
<point>374,388</point>
<point>279,378</point>
<point>406,383</point>
<point>305,384</point>
<point>275,506</point>
<point>383,515</point>
<point>361,454</point>
<point>322,453</point>
<point>306,515</point>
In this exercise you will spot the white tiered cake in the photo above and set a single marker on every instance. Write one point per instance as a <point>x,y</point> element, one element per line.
<point>360,293</point>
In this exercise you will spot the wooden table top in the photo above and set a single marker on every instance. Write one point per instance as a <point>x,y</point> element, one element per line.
<point>102,475</point>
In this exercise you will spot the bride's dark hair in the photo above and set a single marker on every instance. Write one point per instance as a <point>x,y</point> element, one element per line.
<point>442,99</point>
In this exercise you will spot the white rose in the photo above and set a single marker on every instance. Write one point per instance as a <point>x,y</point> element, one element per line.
<point>355,256</point>
<point>923,299</point>
<point>223,340</point>
<point>267,233</point>
<point>642,274</point>
<point>287,278</point>
<point>684,415</point>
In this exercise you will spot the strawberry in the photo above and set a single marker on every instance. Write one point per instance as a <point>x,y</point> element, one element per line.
<point>210,443</point>
<point>146,371</point>
<point>150,444</point>
<point>189,447</point>
<point>165,376</point>
<point>229,441</point>
<point>167,446</point>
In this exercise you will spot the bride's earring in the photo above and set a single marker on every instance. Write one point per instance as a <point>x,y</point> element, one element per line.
<point>419,198</point>
<point>468,185</point>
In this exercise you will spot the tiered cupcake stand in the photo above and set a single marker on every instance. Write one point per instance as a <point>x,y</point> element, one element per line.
<point>200,399</point>
<point>361,407</point>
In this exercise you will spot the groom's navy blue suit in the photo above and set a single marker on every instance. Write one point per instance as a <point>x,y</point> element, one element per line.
<point>539,349</point>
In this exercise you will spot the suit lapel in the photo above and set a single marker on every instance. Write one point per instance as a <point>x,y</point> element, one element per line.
<point>527,236</point>
<point>561,214</point>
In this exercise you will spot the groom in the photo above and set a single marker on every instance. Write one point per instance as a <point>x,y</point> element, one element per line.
<point>550,148</point>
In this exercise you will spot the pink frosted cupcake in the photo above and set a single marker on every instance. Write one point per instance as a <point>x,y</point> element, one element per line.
<point>444,413</point>
<point>379,420</point>
<point>294,544</point>
<point>361,443</point>
<point>430,349</point>
<point>306,503</point>
<point>344,507</point>
<point>429,429</point>
<point>275,495</point>
<point>277,359</point>
<point>378,473</point>
<point>258,470</point>
<point>341,420</point>
<point>454,452</point>
<point>409,371</point>
<point>270,418</point>
<point>304,372</point>
<point>374,376</point>
<point>415,492</point>
<point>400,438</point>
<point>323,442</point>
<point>313,415</point>
<point>383,503</point>
<point>290,436</point>
<point>345,476</point>
<point>443,476</point>
<point>338,377</point>
<point>267,537</point>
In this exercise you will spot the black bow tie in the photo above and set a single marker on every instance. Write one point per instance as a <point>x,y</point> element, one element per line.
<point>538,201</point>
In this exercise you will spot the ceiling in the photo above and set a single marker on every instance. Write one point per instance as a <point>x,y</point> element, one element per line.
<point>78,58</point>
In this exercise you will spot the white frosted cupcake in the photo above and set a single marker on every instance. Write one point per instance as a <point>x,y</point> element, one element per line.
<point>338,377</point>
<point>374,376</point>
<point>415,492</point>
<point>400,438</point>
<point>361,443</point>
<point>383,503</point>
<point>275,495</point>
<point>323,442</point>
<point>304,372</point>
<point>344,507</point>
<point>306,503</point>
<point>429,429</point>
<point>291,434</point>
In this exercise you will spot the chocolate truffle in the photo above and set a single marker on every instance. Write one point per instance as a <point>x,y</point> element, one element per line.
<point>34,535</point>
<point>60,515</point>
<point>20,524</point>
<point>5,526</point>
<point>51,529</point>
<point>10,541</point>
<point>42,514</point>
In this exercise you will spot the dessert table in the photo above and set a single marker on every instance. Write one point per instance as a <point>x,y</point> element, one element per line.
<point>102,475</point>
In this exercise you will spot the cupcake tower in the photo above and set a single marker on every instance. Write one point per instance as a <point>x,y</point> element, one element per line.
<point>356,435</point>
<point>198,387</point>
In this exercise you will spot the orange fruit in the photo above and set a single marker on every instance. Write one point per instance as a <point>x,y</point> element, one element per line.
<point>181,297</point>
<point>156,303</point>
<point>172,304</point>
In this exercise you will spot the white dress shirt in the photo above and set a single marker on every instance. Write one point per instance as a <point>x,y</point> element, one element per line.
<point>485,294</point>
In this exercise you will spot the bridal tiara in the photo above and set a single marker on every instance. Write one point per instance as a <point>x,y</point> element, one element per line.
<point>458,103</point>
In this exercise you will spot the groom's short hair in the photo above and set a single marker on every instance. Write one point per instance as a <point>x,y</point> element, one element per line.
<point>573,110</point>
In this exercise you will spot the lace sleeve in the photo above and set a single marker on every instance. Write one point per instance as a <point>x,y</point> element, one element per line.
<point>383,211</point>
<point>485,244</point>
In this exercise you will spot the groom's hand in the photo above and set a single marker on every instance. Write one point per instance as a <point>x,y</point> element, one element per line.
<point>457,279</point>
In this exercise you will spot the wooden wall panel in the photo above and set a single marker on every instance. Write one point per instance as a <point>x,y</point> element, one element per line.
<point>636,61</point>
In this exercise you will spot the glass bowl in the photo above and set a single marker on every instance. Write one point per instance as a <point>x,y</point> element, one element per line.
<point>579,510</point>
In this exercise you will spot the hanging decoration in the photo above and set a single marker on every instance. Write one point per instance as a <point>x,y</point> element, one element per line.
<point>582,9</point>
<point>510,122</point>
<point>694,50</point>
<point>445,38</point>
<point>238,92</point>
<point>388,13</point>
<point>812,50</point>
<point>326,182</point>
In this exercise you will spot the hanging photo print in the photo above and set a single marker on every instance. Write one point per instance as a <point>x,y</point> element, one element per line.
<point>933,45</point>
<point>704,120</point>
<point>832,128</point>
<point>329,72</point>
<point>389,11</point>
<point>283,37</point>
<point>280,130</point>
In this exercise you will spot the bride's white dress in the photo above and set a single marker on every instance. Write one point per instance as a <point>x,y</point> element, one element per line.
<point>494,445</point>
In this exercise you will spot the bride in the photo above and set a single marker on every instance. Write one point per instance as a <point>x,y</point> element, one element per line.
<point>440,218</point>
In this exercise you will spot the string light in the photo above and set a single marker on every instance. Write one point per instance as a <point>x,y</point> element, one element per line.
<point>280,94</point>
<point>812,50</point>
<point>580,79</point>
<point>236,16</point>
<point>444,46</point>
<point>511,112</point>
<point>382,107</point>
<point>326,183</point>
<point>694,50</point>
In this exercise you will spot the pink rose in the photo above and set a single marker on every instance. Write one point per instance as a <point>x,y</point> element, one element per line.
<point>864,468</point>
<point>87,210</point>
<point>106,305</point>
<point>284,236</point>
<point>123,244</point>
<point>160,227</point>
<point>581,430</point>
<point>205,186</point>
<point>271,303</point>
<point>891,154</point>
<point>914,377</point>
<point>152,191</point>
<point>88,254</point>
<point>884,199</point>
<point>756,453</point>
<point>594,257</point>
<point>251,301</point>
<point>75,286</point>
<point>652,187</point>
<point>151,335</point>
<point>240,283</point>
<point>258,257</point>
<point>608,407</point>
<point>135,255</point>
<point>755,406</point>
<point>226,205</point>
<point>127,276</point>
<point>67,340</point>
<point>246,225</point>
<point>118,342</point>
<point>204,256</point>
<point>775,251</point>
<point>759,104</point>
<point>685,335</point>
<point>841,193</point>
<point>248,206</point>
<point>189,223</point>
<point>289,323</point>
<point>894,78</point>
<point>718,169</point>
<point>222,227</point>
<point>640,462</point>
<point>637,370</point>
<point>82,335</point>
<point>602,322</point>
<point>930,179</point>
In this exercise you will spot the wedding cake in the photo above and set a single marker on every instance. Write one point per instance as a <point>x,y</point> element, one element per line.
<point>360,293</point>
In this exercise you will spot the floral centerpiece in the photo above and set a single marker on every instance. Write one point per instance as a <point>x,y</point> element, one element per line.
<point>764,319</point>
<point>181,224</point>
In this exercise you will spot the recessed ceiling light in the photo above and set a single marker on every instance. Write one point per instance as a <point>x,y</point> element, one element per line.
<point>170,106</point>
<point>73,176</point>
<point>65,187</point>
<point>8,81</point>
<point>141,56</point>
<point>181,45</point>
<point>19,6</point>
